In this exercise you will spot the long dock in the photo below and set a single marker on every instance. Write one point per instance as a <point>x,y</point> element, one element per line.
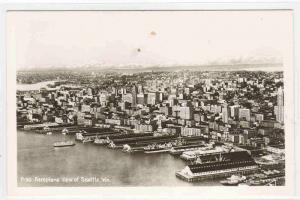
<point>140,142</point>
<point>105,139</point>
<point>179,150</point>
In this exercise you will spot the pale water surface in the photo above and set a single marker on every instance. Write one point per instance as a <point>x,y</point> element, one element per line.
<point>35,86</point>
<point>37,158</point>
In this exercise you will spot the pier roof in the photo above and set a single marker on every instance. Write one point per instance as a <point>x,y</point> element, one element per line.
<point>220,166</point>
<point>233,160</point>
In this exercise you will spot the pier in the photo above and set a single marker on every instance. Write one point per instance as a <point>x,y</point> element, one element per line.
<point>236,163</point>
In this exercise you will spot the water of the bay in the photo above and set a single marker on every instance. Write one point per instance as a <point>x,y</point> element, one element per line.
<point>91,165</point>
<point>34,86</point>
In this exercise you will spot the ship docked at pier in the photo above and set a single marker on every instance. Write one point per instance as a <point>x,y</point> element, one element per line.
<point>234,180</point>
<point>206,160</point>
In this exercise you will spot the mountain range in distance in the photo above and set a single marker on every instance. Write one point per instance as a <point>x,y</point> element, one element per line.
<point>139,69</point>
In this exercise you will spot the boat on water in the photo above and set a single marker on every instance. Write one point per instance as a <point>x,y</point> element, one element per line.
<point>46,128</point>
<point>159,150</point>
<point>234,180</point>
<point>49,133</point>
<point>86,140</point>
<point>98,141</point>
<point>127,148</point>
<point>256,183</point>
<point>230,183</point>
<point>64,144</point>
<point>65,131</point>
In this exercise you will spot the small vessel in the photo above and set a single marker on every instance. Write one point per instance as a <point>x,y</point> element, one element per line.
<point>49,133</point>
<point>64,144</point>
<point>256,183</point>
<point>156,150</point>
<point>233,180</point>
<point>87,140</point>
<point>101,141</point>
<point>65,131</point>
<point>127,148</point>
<point>230,182</point>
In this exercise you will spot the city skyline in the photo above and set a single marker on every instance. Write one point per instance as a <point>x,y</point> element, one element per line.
<point>217,125</point>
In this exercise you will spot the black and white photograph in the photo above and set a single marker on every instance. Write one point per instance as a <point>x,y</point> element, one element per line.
<point>151,98</point>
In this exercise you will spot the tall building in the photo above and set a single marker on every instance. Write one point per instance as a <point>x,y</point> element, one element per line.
<point>221,95</point>
<point>187,91</point>
<point>225,114</point>
<point>279,109</point>
<point>259,117</point>
<point>186,112</point>
<point>244,113</point>
<point>280,97</point>
<point>234,111</point>
<point>127,98</point>
<point>122,91</point>
<point>174,91</point>
<point>166,110</point>
<point>114,90</point>
<point>90,91</point>
<point>175,111</point>
<point>197,116</point>
<point>134,95</point>
<point>140,89</point>
<point>102,97</point>
<point>152,98</point>
<point>140,98</point>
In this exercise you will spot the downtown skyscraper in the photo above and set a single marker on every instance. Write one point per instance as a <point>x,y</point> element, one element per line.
<point>279,109</point>
<point>134,95</point>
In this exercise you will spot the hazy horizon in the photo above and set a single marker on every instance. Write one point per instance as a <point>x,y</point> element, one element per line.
<point>137,69</point>
<point>143,39</point>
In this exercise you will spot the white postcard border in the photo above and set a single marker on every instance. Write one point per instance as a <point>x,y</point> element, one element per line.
<point>146,192</point>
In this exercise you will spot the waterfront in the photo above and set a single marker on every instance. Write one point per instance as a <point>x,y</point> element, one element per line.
<point>38,158</point>
<point>167,112</point>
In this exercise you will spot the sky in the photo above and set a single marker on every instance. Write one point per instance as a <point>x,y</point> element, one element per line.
<point>43,39</point>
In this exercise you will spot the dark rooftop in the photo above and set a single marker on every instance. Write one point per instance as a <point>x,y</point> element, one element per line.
<point>234,159</point>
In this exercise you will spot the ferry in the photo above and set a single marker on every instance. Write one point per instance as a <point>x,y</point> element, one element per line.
<point>64,144</point>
